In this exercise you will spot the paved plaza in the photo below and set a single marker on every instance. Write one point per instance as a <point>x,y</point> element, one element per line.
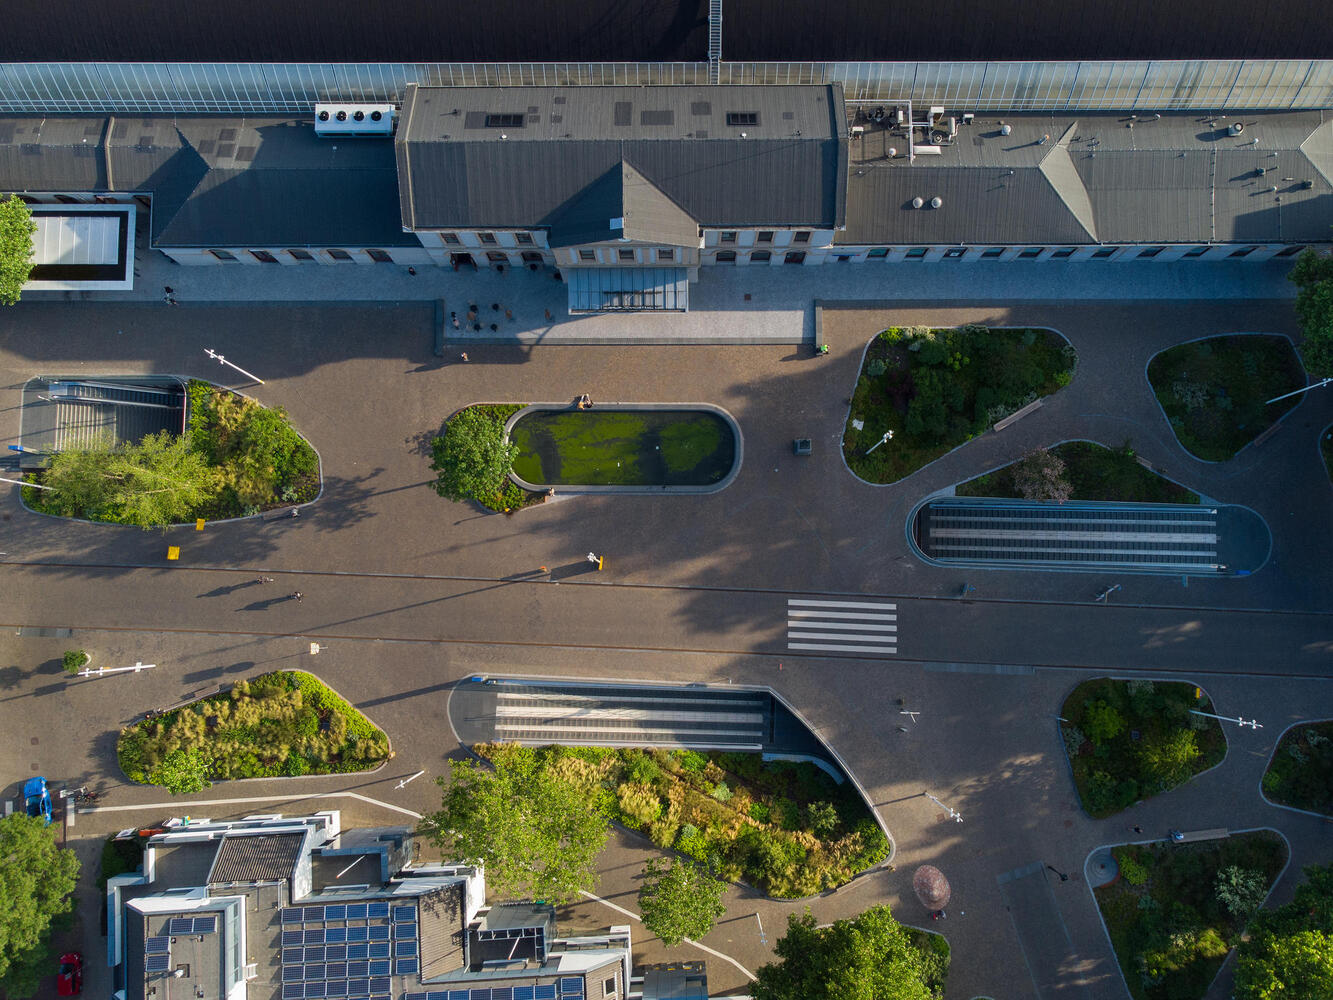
<point>408,595</point>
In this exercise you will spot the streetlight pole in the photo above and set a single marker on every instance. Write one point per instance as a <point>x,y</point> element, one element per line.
<point>1252,724</point>
<point>223,361</point>
<point>1105,594</point>
<point>954,815</point>
<point>116,670</point>
<point>20,482</point>
<point>888,436</point>
<point>1318,385</point>
<point>407,781</point>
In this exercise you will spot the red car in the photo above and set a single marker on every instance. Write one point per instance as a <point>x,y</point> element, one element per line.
<point>69,981</point>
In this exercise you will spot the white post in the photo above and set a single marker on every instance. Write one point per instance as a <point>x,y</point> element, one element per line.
<point>1238,720</point>
<point>954,815</point>
<point>888,436</point>
<point>223,361</point>
<point>407,781</point>
<point>100,671</point>
<point>1318,385</point>
<point>20,482</point>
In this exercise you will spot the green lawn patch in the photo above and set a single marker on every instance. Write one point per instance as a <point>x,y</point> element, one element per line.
<point>1301,771</point>
<point>783,826</point>
<point>935,389</point>
<point>610,447</point>
<point>472,460</point>
<point>1177,909</point>
<point>1214,391</point>
<point>1093,472</point>
<point>286,723</point>
<point>1131,740</point>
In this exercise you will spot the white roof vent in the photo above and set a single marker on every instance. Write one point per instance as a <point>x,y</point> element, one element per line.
<point>1235,128</point>
<point>338,121</point>
<point>1006,129</point>
<point>937,202</point>
<point>917,203</point>
<point>893,151</point>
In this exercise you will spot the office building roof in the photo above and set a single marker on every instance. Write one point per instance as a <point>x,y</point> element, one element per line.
<point>523,157</point>
<point>265,857</point>
<point>1070,179</point>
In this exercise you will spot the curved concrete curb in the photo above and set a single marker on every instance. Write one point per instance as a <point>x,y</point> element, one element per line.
<point>1069,763</point>
<point>1259,438</point>
<point>263,515</point>
<point>717,411</point>
<point>848,418</point>
<point>1221,573</point>
<point>1278,743</point>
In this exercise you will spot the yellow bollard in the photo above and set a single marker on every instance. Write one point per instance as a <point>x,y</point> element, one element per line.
<point>600,561</point>
<point>198,524</point>
<point>173,552</point>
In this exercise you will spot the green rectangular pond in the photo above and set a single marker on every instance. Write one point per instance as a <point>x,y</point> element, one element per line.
<point>623,447</point>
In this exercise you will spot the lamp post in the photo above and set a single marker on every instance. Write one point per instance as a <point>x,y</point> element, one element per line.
<point>1252,724</point>
<point>954,814</point>
<point>223,361</point>
<point>100,671</point>
<point>1318,385</point>
<point>888,436</point>
<point>1105,594</point>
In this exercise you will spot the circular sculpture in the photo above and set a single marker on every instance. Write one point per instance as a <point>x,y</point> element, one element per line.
<point>931,887</point>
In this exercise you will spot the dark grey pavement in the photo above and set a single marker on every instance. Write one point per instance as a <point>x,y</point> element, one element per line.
<point>408,594</point>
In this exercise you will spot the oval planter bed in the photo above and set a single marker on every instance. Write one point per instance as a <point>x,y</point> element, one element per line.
<point>624,447</point>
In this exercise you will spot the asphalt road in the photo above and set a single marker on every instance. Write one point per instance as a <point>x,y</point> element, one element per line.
<point>603,615</point>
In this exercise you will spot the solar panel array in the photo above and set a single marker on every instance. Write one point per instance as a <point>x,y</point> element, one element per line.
<point>569,987</point>
<point>181,926</point>
<point>346,950</point>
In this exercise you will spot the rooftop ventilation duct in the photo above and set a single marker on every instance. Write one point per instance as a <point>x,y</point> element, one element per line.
<point>337,121</point>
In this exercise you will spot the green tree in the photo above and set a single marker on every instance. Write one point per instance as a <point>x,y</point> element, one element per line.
<point>1288,954</point>
<point>16,230</point>
<point>537,833</point>
<point>36,880</point>
<point>1241,890</point>
<point>154,483</point>
<point>679,900</point>
<point>472,457</point>
<point>182,772</point>
<point>868,958</point>
<point>1293,967</point>
<point>1313,275</point>
<point>1170,758</point>
<point>1041,476</point>
<point>1102,722</point>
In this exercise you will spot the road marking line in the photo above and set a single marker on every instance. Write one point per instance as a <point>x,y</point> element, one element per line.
<point>839,637</point>
<point>856,626</point>
<point>843,649</point>
<point>858,615</point>
<point>841,604</point>
<point>192,803</point>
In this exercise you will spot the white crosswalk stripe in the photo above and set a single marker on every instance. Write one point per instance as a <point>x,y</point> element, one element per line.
<point>857,627</point>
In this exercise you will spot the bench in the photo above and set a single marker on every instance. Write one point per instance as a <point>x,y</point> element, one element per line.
<point>1190,836</point>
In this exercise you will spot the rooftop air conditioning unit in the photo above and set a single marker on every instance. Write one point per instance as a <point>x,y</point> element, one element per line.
<point>351,121</point>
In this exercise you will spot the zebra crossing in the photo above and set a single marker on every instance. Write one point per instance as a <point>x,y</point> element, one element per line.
<point>857,627</point>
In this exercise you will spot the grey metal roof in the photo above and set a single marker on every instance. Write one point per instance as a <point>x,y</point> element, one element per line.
<point>217,181</point>
<point>52,154</point>
<point>1069,179</point>
<point>623,204</point>
<point>455,170</point>
<point>261,857</point>
<point>441,930</point>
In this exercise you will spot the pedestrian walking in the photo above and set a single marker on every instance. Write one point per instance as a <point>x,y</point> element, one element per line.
<point>472,315</point>
<point>463,355</point>
<point>168,290</point>
<point>1138,829</point>
<point>495,307</point>
<point>412,271</point>
<point>453,316</point>
<point>296,596</point>
<point>548,315</point>
<point>509,314</point>
<point>264,579</point>
<point>495,327</point>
